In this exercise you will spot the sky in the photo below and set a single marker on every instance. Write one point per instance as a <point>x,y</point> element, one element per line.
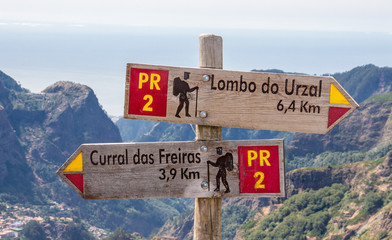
<point>90,42</point>
<point>331,15</point>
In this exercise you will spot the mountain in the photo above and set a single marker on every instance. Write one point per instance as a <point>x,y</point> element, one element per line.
<point>328,200</point>
<point>39,131</point>
<point>364,135</point>
<point>131,130</point>
<point>351,201</point>
<point>50,125</point>
<point>355,156</point>
<point>365,81</point>
<point>15,174</point>
<point>361,82</point>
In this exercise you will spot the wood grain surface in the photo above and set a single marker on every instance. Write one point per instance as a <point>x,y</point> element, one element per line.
<point>164,170</point>
<point>282,102</point>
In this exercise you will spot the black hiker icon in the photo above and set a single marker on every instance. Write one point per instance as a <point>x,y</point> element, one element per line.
<point>181,89</point>
<point>224,163</point>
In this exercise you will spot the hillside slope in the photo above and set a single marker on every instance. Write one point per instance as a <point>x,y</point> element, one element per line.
<point>15,174</point>
<point>344,202</point>
<point>352,201</point>
<point>52,124</point>
<point>39,131</point>
<point>365,81</point>
<point>364,136</point>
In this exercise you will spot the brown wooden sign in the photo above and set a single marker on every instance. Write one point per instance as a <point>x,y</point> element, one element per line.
<point>282,102</point>
<point>177,169</point>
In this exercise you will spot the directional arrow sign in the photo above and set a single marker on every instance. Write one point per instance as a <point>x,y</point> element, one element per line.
<point>177,169</point>
<point>282,102</point>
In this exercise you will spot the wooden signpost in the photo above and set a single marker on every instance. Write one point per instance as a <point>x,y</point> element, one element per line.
<point>215,97</point>
<point>208,169</point>
<point>207,220</point>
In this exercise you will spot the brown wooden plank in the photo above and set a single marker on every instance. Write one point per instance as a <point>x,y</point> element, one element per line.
<point>283,102</point>
<point>166,169</point>
<point>207,222</point>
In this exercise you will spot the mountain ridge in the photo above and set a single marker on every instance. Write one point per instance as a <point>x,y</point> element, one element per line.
<point>41,130</point>
<point>364,135</point>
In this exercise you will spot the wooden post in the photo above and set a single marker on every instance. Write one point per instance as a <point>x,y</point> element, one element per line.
<point>208,211</point>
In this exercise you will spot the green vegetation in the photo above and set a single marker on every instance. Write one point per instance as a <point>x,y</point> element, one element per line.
<point>362,82</point>
<point>328,210</point>
<point>370,204</point>
<point>76,231</point>
<point>121,234</point>
<point>232,217</point>
<point>305,214</point>
<point>380,98</point>
<point>33,231</point>
<point>336,158</point>
<point>382,235</point>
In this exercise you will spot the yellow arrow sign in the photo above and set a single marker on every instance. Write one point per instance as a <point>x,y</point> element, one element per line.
<point>76,164</point>
<point>72,172</point>
<point>336,97</point>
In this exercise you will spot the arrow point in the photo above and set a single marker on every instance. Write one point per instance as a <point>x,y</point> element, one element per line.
<point>76,179</point>
<point>335,113</point>
<point>337,97</point>
<point>76,164</point>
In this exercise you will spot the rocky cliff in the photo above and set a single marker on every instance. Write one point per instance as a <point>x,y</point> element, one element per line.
<point>44,129</point>
<point>38,132</point>
<point>15,174</point>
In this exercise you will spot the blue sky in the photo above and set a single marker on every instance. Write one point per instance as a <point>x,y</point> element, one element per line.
<point>331,15</point>
<point>90,42</point>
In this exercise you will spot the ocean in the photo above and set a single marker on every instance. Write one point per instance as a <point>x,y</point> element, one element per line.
<point>37,57</point>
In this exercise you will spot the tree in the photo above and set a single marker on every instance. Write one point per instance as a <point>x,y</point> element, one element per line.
<point>33,231</point>
<point>74,231</point>
<point>3,207</point>
<point>120,234</point>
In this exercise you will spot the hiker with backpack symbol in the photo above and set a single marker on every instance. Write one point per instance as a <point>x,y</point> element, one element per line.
<point>181,88</point>
<point>224,163</point>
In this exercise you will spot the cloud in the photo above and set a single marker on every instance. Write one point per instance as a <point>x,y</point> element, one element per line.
<point>26,24</point>
<point>347,15</point>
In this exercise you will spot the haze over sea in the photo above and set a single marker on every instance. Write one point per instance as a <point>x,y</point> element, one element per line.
<point>38,56</point>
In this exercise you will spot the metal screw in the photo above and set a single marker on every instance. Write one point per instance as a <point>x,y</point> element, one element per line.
<point>204,185</point>
<point>203,114</point>
<point>204,148</point>
<point>206,78</point>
